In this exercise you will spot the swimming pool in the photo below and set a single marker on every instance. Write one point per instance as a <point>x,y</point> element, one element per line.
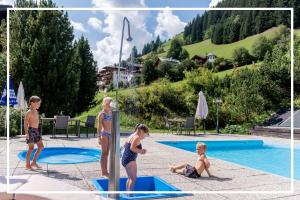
<point>255,154</point>
<point>65,155</point>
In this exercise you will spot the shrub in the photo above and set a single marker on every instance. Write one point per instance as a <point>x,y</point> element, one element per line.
<point>261,47</point>
<point>241,56</point>
<point>222,64</point>
<point>236,129</point>
<point>14,122</point>
<point>243,99</point>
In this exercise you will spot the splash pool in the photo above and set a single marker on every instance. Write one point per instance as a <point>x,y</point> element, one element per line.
<point>65,155</point>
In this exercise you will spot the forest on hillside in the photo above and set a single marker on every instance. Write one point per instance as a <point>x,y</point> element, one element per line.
<point>228,26</point>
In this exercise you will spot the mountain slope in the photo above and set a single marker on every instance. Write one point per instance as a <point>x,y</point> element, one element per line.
<point>223,50</point>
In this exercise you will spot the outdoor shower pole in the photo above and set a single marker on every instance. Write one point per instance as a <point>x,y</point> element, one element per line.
<point>114,161</point>
<point>120,56</point>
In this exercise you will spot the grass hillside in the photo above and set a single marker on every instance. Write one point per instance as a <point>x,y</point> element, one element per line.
<point>222,50</point>
<point>204,47</point>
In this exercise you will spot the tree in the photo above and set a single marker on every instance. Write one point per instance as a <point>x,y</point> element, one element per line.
<point>184,54</point>
<point>84,61</point>
<point>276,70</point>
<point>260,47</point>
<point>2,54</point>
<point>157,43</point>
<point>244,98</point>
<point>134,52</point>
<point>187,64</point>
<point>221,64</point>
<point>136,80</point>
<point>149,73</point>
<point>208,33</point>
<point>217,35</point>
<point>228,26</point>
<point>241,56</point>
<point>146,49</point>
<point>41,56</point>
<point>175,49</point>
<point>164,69</point>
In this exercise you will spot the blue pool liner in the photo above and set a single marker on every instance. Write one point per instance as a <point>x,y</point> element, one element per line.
<point>64,155</point>
<point>143,183</point>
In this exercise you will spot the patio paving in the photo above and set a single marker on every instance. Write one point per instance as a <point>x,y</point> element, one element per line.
<point>229,176</point>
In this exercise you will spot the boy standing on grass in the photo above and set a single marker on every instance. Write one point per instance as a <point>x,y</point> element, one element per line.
<point>31,128</point>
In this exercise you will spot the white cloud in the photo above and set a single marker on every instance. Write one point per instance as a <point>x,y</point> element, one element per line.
<point>118,3</point>
<point>107,49</point>
<point>7,2</point>
<point>168,25</point>
<point>213,3</point>
<point>95,23</point>
<point>78,26</point>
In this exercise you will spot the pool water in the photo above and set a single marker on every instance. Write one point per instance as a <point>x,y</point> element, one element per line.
<point>250,153</point>
<point>143,183</point>
<point>65,155</point>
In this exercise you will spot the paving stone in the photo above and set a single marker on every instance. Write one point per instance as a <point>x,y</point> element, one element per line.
<point>155,163</point>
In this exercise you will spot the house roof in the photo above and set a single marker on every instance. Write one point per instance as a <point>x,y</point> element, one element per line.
<point>211,54</point>
<point>199,57</point>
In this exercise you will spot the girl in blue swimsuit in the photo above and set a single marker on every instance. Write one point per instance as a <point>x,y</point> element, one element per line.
<point>132,147</point>
<point>104,132</point>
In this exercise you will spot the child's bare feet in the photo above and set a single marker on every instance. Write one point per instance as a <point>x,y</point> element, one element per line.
<point>105,174</point>
<point>34,165</point>
<point>28,167</point>
<point>171,168</point>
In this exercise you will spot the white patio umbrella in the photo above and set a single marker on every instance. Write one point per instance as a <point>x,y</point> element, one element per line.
<point>202,108</point>
<point>22,104</point>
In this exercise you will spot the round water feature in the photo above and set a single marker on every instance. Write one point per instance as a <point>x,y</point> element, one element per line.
<point>64,155</point>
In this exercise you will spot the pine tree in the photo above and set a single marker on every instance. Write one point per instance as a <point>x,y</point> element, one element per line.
<point>41,56</point>
<point>84,61</point>
<point>134,53</point>
<point>157,42</point>
<point>253,21</point>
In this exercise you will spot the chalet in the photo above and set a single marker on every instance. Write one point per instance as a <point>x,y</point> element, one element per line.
<point>211,57</point>
<point>203,59</point>
<point>109,74</point>
<point>199,59</point>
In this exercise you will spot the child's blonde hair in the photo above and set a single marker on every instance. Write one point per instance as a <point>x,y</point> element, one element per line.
<point>201,145</point>
<point>105,100</point>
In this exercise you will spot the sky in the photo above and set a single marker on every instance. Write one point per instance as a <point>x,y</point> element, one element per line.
<point>103,28</point>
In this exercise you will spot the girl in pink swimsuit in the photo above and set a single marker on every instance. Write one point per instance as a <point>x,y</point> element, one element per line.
<point>104,132</point>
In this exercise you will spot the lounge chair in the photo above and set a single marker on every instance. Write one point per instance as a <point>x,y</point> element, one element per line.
<point>61,123</point>
<point>90,124</point>
<point>190,125</point>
